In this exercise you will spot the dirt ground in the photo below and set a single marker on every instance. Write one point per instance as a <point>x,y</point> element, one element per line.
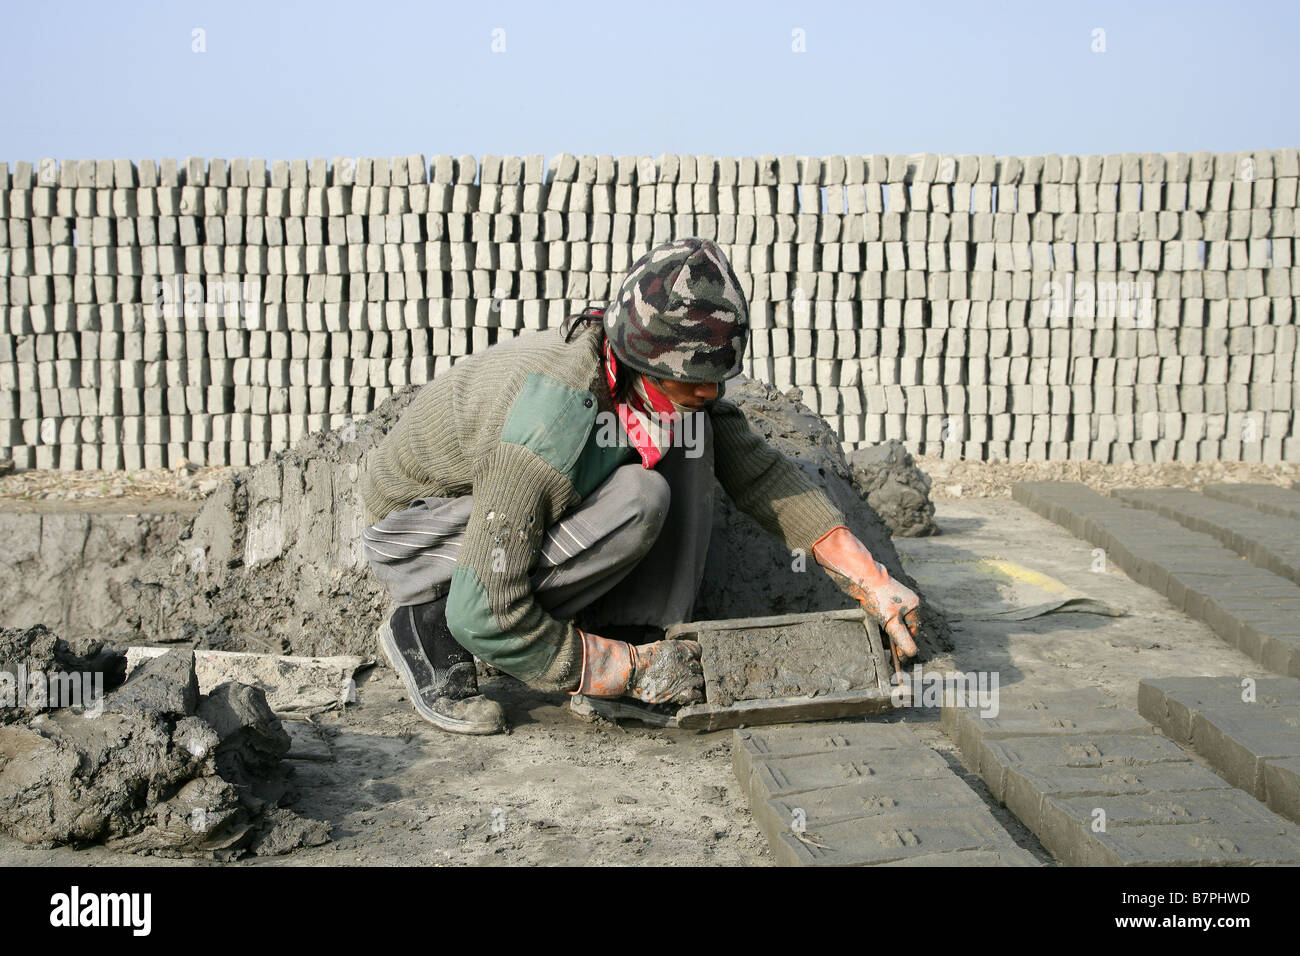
<point>560,790</point>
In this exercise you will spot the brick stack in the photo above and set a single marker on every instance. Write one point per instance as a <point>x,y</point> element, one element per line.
<point>1098,307</point>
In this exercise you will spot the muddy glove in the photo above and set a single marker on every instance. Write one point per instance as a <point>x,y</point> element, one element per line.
<point>665,672</point>
<point>894,605</point>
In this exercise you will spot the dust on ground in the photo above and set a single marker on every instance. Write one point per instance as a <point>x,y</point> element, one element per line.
<point>400,791</point>
<point>556,791</point>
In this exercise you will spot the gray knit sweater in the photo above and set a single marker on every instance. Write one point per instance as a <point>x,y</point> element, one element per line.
<point>513,426</point>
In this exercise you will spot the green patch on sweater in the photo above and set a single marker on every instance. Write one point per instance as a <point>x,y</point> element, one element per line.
<point>552,420</point>
<point>475,627</point>
<point>600,456</point>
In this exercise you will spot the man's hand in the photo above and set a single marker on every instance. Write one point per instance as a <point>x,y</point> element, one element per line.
<point>664,672</point>
<point>667,672</point>
<point>894,605</point>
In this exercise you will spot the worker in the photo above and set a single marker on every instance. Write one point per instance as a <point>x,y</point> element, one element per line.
<point>546,505</point>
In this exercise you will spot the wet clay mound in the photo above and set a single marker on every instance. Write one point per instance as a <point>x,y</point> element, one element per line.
<point>896,488</point>
<point>68,564</point>
<point>40,670</point>
<point>796,660</point>
<point>273,561</point>
<point>155,768</point>
<point>750,573</point>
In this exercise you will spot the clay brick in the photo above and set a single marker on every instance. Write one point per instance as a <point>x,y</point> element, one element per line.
<point>1067,823</point>
<point>862,793</point>
<point>997,758</point>
<point>1051,714</point>
<point>781,776</point>
<point>943,790</point>
<point>1271,541</point>
<point>1216,585</point>
<point>1238,743</point>
<point>975,858</point>
<point>1195,844</point>
<point>750,745</point>
<point>1269,499</point>
<point>890,838</point>
<point>1172,703</point>
<point>1124,799</point>
<point>1282,787</point>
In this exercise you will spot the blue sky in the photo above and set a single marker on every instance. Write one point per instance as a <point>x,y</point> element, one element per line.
<point>287,79</point>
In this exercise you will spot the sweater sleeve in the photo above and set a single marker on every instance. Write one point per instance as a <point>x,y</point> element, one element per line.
<point>491,609</point>
<point>766,485</point>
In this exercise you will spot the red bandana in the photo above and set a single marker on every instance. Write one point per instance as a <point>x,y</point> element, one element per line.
<point>650,427</point>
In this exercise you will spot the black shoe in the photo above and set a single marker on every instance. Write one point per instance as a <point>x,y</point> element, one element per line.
<point>438,673</point>
<point>453,664</point>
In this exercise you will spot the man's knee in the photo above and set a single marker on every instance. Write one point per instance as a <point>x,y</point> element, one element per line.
<point>646,495</point>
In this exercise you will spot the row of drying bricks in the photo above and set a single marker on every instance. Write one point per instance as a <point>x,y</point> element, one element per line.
<point>1087,777</point>
<point>1190,547</point>
<point>1092,780</point>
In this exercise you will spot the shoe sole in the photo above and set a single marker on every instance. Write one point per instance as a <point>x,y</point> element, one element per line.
<point>395,660</point>
<point>619,709</point>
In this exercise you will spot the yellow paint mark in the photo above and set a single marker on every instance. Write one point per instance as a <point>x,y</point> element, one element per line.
<point>1018,573</point>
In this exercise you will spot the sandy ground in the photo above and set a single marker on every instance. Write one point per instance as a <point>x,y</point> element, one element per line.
<point>399,791</point>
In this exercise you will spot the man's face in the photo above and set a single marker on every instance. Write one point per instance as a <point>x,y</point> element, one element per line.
<point>691,394</point>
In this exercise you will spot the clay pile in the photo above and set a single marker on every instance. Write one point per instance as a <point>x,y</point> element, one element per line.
<point>897,490</point>
<point>769,580</point>
<point>273,562</point>
<point>68,564</point>
<point>151,767</point>
<point>29,655</point>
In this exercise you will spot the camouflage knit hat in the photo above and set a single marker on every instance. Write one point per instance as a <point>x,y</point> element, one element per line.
<point>680,314</point>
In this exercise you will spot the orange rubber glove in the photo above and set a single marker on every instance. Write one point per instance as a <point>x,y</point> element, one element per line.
<point>894,605</point>
<point>664,672</point>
